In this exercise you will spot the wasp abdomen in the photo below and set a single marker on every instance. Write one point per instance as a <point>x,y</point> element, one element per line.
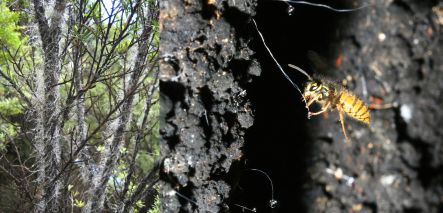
<point>354,107</point>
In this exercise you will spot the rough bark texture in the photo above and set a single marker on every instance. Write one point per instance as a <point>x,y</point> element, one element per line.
<point>205,69</point>
<point>390,52</point>
<point>47,138</point>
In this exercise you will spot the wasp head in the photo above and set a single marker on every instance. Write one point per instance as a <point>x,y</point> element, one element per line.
<point>315,91</point>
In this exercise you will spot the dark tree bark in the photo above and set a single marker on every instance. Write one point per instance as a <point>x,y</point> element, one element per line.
<point>204,116</point>
<point>393,51</point>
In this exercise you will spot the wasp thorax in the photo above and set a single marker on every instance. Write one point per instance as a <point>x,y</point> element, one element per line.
<point>315,91</point>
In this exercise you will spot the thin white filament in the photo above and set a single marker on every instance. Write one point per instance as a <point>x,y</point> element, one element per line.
<point>281,69</point>
<point>270,181</point>
<point>324,6</point>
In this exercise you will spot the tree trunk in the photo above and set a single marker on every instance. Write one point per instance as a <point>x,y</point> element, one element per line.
<point>205,70</point>
<point>48,141</point>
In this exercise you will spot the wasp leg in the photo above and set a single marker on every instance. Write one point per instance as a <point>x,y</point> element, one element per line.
<point>340,111</point>
<point>323,109</point>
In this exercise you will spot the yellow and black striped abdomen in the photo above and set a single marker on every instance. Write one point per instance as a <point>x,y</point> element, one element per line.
<point>354,107</point>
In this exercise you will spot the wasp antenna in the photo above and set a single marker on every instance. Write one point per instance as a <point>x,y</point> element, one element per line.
<point>324,6</point>
<point>300,70</point>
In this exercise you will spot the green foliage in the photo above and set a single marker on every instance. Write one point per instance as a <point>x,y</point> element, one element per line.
<point>146,160</point>
<point>10,106</point>
<point>10,40</point>
<point>9,35</point>
<point>76,202</point>
<point>156,207</point>
<point>156,39</point>
<point>79,203</point>
<point>6,132</point>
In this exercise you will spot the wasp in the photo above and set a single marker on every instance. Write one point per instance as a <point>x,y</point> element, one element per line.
<point>326,93</point>
<point>332,96</point>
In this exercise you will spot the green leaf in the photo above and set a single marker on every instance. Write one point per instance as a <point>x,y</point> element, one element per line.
<point>79,203</point>
<point>9,34</point>
<point>10,106</point>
